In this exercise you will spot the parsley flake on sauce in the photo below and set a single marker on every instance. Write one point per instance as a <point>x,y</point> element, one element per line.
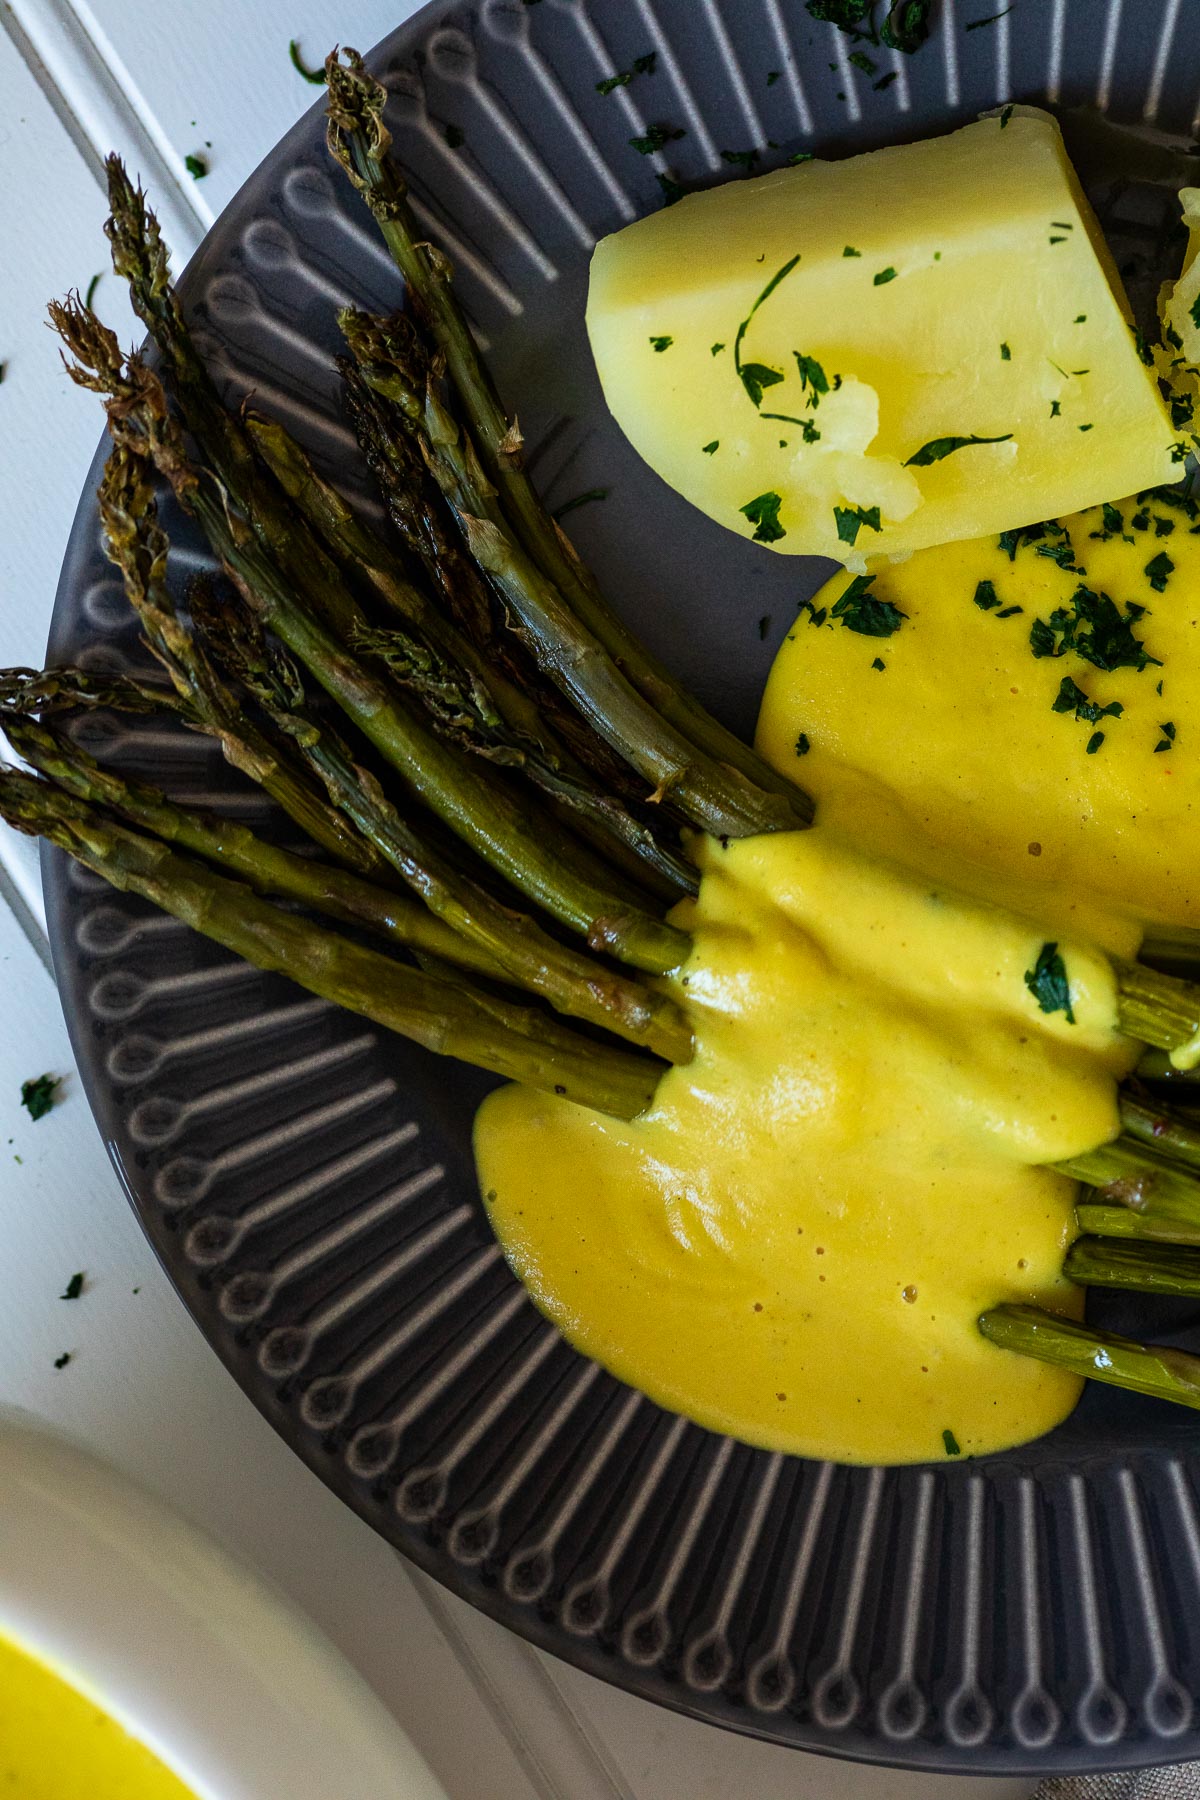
<point>763,514</point>
<point>1094,628</point>
<point>708,449</point>
<point>879,664</point>
<point>850,519</point>
<point>1047,982</point>
<point>716,349</point>
<point>1071,698</point>
<point>851,251</point>
<point>951,1443</point>
<point>937,448</point>
<point>985,596</point>
<point>860,611</point>
<point>1005,353</point>
<point>1158,569</point>
<point>1168,735</point>
<point>662,343</point>
<point>802,744</point>
<point>884,275</point>
<point>1094,743</point>
<point>37,1096</point>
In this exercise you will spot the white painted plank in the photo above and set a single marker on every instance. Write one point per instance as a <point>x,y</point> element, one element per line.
<point>144,1390</point>
<point>51,224</point>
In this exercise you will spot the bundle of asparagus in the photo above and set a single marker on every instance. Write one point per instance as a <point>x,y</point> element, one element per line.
<point>492,778</point>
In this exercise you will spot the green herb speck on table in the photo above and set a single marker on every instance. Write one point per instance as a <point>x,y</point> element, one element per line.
<point>38,1094</point>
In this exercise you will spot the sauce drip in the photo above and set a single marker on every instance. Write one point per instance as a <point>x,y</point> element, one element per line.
<point>793,1244</point>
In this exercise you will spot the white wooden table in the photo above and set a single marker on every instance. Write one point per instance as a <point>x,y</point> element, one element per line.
<point>157,79</point>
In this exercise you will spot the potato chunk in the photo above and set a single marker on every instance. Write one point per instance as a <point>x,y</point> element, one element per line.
<point>861,358</point>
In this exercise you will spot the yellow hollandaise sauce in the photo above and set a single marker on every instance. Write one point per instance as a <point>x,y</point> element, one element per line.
<point>55,1744</point>
<point>1033,709</point>
<point>793,1244</point>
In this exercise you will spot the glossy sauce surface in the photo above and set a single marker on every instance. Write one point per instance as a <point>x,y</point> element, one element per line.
<point>793,1244</point>
<point>55,1744</point>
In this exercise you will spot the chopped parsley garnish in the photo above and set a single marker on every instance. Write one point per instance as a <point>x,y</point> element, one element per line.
<point>802,744</point>
<point>60,1362</point>
<point>455,136</point>
<point>1072,699</point>
<point>763,514</point>
<point>948,1437</point>
<point>847,15</point>
<point>1163,527</point>
<point>862,61</point>
<point>884,275</point>
<point>74,1287</point>
<point>850,519</point>
<point>1081,319</point>
<point>1063,554</point>
<point>907,25</point>
<point>985,596</point>
<point>977,24</point>
<point>37,1096</point>
<point>1085,428</point>
<point>316,76</point>
<point>1055,409</point>
<point>743,159</point>
<point>773,76</point>
<point>885,81</point>
<point>707,449</point>
<point>755,377</point>
<point>801,156</point>
<point>662,343</point>
<point>1114,521</point>
<point>1005,353</point>
<point>851,251</point>
<point>641,65</point>
<point>860,611</point>
<point>656,136</point>
<point>91,289</point>
<point>1005,116</point>
<point>1007,612</point>
<point>1096,630</point>
<point>1058,240</point>
<point>1047,982</point>
<point>810,433</point>
<point>672,190</point>
<point>937,448</point>
<point>1094,743</point>
<point>813,378</point>
<point>878,663</point>
<point>1145,354</point>
<point>577,500</point>
<point>1158,569</point>
<point>1194,314</point>
<point>717,348</point>
<point>196,166</point>
<point>1182,409</point>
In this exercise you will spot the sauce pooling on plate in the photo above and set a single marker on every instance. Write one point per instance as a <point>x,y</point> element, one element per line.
<point>793,1244</point>
<point>55,1744</point>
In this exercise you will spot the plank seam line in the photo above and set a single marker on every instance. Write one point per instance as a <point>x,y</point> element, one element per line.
<point>101,107</point>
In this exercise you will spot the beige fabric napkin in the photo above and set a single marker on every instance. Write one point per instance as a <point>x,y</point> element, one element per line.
<point>1178,1781</point>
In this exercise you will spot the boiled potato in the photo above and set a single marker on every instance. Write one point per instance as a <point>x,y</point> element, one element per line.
<point>861,358</point>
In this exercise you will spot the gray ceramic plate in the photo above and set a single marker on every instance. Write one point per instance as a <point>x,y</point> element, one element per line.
<point>308,1184</point>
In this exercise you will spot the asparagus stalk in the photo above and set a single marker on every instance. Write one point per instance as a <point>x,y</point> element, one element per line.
<point>1145,1268</point>
<point>360,142</point>
<point>1167,1132</point>
<point>1160,1010</point>
<point>569,981</point>
<point>559,875</point>
<point>1127,1173</point>
<point>137,546</point>
<point>268,869</point>
<point>712,795</point>
<point>442,1015</point>
<point>1171,947</point>
<point>1124,1222</point>
<point>69,689</point>
<point>511,729</point>
<point>1153,1369</point>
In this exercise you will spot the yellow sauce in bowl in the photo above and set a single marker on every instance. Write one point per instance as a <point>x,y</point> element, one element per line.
<point>793,1244</point>
<point>55,1744</point>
